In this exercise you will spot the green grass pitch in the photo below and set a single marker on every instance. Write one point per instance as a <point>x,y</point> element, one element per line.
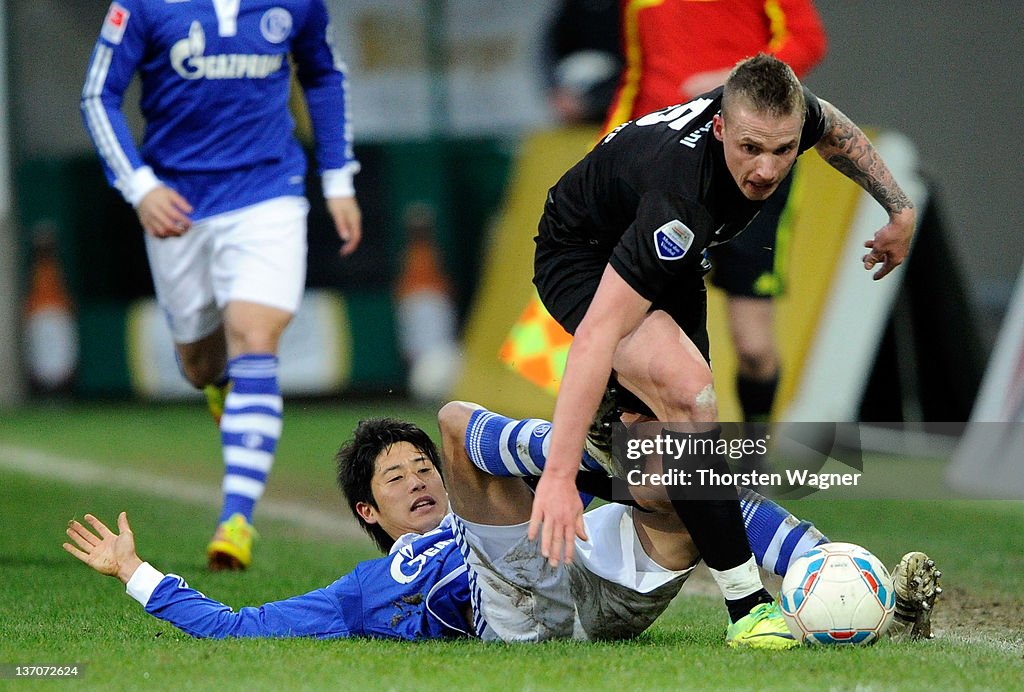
<point>161,464</point>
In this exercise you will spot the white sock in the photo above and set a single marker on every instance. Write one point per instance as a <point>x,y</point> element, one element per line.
<point>738,582</point>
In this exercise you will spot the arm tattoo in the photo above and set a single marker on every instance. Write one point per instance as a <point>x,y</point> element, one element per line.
<point>850,152</point>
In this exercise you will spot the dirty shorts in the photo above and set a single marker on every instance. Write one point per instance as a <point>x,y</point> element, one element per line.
<point>612,590</point>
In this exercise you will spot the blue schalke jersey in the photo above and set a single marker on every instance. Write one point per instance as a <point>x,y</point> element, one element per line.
<point>215,80</point>
<point>418,591</point>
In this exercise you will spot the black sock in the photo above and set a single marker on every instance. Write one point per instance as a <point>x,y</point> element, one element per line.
<point>742,606</point>
<point>711,513</point>
<point>756,397</point>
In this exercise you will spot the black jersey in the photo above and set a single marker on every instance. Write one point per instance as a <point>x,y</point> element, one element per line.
<point>655,193</point>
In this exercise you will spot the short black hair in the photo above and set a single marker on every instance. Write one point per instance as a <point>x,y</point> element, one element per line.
<point>767,84</point>
<point>357,459</point>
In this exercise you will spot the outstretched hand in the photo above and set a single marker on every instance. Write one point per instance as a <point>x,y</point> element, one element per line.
<point>558,517</point>
<point>891,243</point>
<point>107,553</point>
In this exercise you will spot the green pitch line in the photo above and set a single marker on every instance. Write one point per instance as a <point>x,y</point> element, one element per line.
<point>90,474</point>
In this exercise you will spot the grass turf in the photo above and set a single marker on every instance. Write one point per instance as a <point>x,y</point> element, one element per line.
<point>54,610</point>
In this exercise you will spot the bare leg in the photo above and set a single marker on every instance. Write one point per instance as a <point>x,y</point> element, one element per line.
<point>752,322</point>
<point>482,498</point>
<point>251,425</point>
<point>665,539</point>
<point>247,328</point>
<point>253,328</point>
<point>662,366</point>
<point>203,361</point>
<point>477,496</point>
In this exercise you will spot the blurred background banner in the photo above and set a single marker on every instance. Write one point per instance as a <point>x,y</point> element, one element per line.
<point>316,350</point>
<point>430,66</point>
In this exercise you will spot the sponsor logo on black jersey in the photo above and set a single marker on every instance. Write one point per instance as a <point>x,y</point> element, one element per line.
<point>673,240</point>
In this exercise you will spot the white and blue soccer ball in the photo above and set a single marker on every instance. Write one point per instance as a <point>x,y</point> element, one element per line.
<point>838,593</point>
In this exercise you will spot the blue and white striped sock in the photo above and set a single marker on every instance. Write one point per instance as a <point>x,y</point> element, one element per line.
<point>504,446</point>
<point>249,431</point>
<point>777,538</point>
<point>508,447</point>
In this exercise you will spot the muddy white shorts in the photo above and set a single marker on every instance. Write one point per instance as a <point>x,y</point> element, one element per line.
<point>255,254</point>
<point>612,590</point>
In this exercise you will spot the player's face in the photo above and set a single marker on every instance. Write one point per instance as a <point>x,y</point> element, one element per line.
<point>759,149</point>
<point>409,493</point>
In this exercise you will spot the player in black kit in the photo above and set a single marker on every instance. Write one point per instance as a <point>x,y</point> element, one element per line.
<point>619,265</point>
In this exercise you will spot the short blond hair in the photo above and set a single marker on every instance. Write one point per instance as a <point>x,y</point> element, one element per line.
<point>765,83</point>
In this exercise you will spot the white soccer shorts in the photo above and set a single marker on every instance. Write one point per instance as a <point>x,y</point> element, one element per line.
<point>612,590</point>
<point>255,254</point>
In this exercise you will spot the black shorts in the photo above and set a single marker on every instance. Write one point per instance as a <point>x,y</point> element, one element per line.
<point>749,265</point>
<point>566,278</point>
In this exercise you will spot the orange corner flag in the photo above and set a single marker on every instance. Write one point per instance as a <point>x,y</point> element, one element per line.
<point>536,347</point>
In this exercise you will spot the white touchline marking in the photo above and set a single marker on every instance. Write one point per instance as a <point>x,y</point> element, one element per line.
<point>85,472</point>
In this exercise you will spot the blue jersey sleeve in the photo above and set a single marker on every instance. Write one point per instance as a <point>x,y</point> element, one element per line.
<point>321,74</point>
<point>327,613</point>
<point>115,57</point>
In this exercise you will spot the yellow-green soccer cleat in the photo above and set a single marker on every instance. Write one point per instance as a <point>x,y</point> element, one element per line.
<point>231,545</point>
<point>762,628</point>
<point>216,394</point>
<point>916,583</point>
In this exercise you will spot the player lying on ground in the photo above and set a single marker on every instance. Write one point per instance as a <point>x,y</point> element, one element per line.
<point>390,474</point>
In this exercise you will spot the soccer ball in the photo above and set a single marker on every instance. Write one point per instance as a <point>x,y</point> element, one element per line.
<point>837,593</point>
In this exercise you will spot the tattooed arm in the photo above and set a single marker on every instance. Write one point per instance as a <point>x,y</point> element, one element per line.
<point>848,150</point>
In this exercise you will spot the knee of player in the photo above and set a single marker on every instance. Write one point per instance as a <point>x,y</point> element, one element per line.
<point>691,397</point>
<point>705,402</point>
<point>453,417</point>
<point>452,421</point>
<point>201,370</point>
<point>254,338</point>
<point>759,363</point>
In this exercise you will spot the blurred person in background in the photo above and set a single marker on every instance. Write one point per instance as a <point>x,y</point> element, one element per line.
<point>582,59</point>
<point>219,187</point>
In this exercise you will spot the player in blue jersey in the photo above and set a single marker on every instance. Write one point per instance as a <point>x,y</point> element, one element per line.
<point>390,475</point>
<point>218,185</point>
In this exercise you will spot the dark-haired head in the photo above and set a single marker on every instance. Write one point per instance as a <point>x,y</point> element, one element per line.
<point>357,465</point>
